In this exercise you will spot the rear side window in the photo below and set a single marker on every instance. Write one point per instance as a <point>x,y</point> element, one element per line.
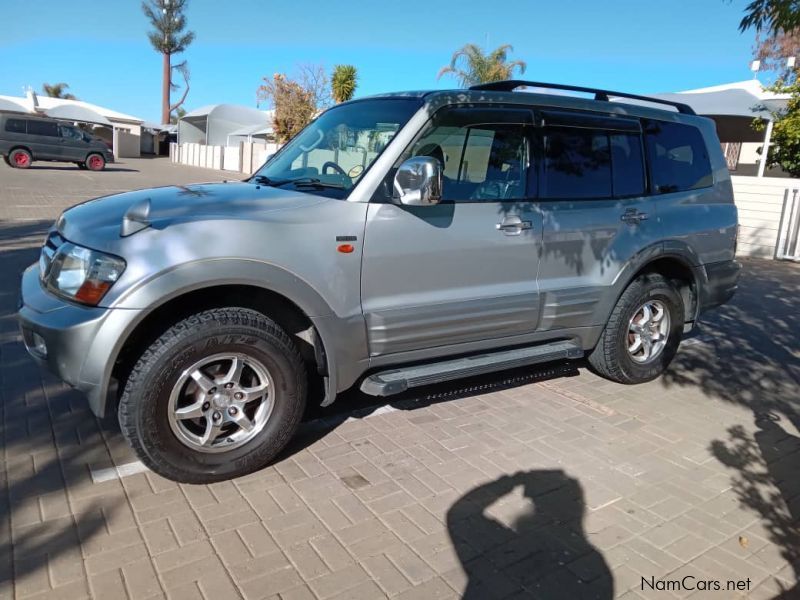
<point>677,156</point>
<point>15,125</point>
<point>43,128</point>
<point>577,164</point>
<point>627,165</point>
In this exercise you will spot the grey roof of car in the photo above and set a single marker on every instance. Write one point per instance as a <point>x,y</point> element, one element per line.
<point>437,98</point>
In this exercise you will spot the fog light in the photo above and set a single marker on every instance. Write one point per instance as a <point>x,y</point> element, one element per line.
<point>39,346</point>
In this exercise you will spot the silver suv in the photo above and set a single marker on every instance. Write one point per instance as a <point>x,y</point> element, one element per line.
<point>397,241</point>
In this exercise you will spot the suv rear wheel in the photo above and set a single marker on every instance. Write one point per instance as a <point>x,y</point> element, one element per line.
<point>217,396</point>
<point>643,333</point>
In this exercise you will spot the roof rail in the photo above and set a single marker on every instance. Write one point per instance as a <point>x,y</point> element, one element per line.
<point>602,95</point>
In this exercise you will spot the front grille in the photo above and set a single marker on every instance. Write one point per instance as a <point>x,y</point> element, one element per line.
<point>51,246</point>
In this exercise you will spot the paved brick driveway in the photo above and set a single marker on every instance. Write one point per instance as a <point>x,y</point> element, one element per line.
<point>530,484</point>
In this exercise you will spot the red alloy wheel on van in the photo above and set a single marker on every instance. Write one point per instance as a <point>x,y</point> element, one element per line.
<point>95,162</point>
<point>21,159</point>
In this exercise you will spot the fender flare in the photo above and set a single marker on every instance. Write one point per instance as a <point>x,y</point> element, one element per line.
<point>136,304</point>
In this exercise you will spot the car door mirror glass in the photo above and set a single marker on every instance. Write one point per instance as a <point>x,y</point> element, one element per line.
<point>418,182</point>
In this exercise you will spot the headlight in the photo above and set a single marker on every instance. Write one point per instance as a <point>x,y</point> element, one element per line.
<point>82,274</point>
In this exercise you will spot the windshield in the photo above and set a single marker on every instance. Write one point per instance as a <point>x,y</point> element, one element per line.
<point>330,155</point>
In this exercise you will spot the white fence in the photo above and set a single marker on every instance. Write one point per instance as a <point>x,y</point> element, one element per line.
<point>789,230</point>
<point>247,157</point>
<point>761,202</point>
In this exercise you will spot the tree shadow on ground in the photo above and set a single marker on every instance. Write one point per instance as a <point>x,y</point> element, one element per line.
<point>542,552</point>
<point>751,358</point>
<point>49,440</point>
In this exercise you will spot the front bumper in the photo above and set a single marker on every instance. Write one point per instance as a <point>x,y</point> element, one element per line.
<point>718,283</point>
<point>73,336</point>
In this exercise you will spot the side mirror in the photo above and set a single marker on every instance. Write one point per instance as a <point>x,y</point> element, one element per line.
<point>418,181</point>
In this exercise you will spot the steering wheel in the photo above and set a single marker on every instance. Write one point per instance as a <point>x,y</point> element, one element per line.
<point>335,166</point>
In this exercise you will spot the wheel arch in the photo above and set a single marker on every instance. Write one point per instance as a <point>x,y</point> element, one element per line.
<point>676,262</point>
<point>152,323</point>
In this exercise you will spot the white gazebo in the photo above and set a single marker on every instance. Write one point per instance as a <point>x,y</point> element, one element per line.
<point>733,106</point>
<point>213,124</point>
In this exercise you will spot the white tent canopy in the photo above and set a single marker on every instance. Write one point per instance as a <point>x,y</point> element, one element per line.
<point>214,123</point>
<point>75,112</point>
<point>12,105</point>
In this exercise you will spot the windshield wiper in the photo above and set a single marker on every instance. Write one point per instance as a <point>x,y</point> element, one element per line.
<point>313,182</point>
<point>264,180</point>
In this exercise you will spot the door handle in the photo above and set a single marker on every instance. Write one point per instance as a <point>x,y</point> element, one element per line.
<point>633,216</point>
<point>513,225</point>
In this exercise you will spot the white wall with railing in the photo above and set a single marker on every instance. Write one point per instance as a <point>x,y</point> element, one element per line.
<point>245,157</point>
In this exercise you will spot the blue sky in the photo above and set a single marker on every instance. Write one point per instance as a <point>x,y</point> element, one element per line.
<point>101,50</point>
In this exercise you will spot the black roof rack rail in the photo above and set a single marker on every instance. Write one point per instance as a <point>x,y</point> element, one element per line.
<point>511,84</point>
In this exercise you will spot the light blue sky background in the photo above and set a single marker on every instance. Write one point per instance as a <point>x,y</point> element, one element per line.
<point>101,50</point>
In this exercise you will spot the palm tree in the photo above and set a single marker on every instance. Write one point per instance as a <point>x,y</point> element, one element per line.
<point>471,65</point>
<point>57,90</point>
<point>168,38</point>
<point>344,82</point>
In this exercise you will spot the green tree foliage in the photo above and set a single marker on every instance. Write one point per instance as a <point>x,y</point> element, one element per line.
<point>344,82</point>
<point>471,65</point>
<point>774,16</point>
<point>784,149</point>
<point>168,37</point>
<point>57,90</point>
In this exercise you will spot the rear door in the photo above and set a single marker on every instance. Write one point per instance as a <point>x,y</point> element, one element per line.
<point>596,212</point>
<point>44,139</point>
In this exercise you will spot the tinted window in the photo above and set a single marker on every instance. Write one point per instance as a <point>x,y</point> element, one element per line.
<point>677,156</point>
<point>627,165</point>
<point>71,133</point>
<point>577,164</point>
<point>42,128</point>
<point>484,153</point>
<point>15,125</point>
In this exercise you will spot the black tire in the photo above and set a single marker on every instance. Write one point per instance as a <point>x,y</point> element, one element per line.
<point>144,403</point>
<point>6,160</point>
<point>95,162</point>
<point>611,359</point>
<point>19,158</point>
<point>82,166</point>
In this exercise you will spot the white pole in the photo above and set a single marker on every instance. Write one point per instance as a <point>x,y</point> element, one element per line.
<point>765,149</point>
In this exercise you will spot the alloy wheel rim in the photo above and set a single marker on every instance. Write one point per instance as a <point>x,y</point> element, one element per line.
<point>21,159</point>
<point>221,402</point>
<point>94,162</point>
<point>648,331</point>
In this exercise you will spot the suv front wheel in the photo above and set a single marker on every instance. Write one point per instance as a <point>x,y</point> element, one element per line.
<point>643,333</point>
<point>217,396</point>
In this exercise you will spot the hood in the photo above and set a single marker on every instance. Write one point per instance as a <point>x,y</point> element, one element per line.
<point>180,204</point>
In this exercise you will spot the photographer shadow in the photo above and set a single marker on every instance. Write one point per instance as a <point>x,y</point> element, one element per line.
<point>542,553</point>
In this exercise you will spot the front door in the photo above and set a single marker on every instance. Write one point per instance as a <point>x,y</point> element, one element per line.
<point>464,270</point>
<point>73,144</point>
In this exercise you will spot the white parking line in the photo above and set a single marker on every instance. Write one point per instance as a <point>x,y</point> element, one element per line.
<point>693,341</point>
<point>101,475</point>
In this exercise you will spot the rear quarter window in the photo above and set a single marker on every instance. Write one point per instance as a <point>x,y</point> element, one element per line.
<point>677,157</point>
<point>15,125</point>
<point>43,128</point>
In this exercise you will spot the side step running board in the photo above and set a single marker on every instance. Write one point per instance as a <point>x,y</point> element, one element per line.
<point>394,381</point>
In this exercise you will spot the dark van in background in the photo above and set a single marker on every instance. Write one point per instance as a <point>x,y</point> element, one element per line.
<point>24,139</point>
